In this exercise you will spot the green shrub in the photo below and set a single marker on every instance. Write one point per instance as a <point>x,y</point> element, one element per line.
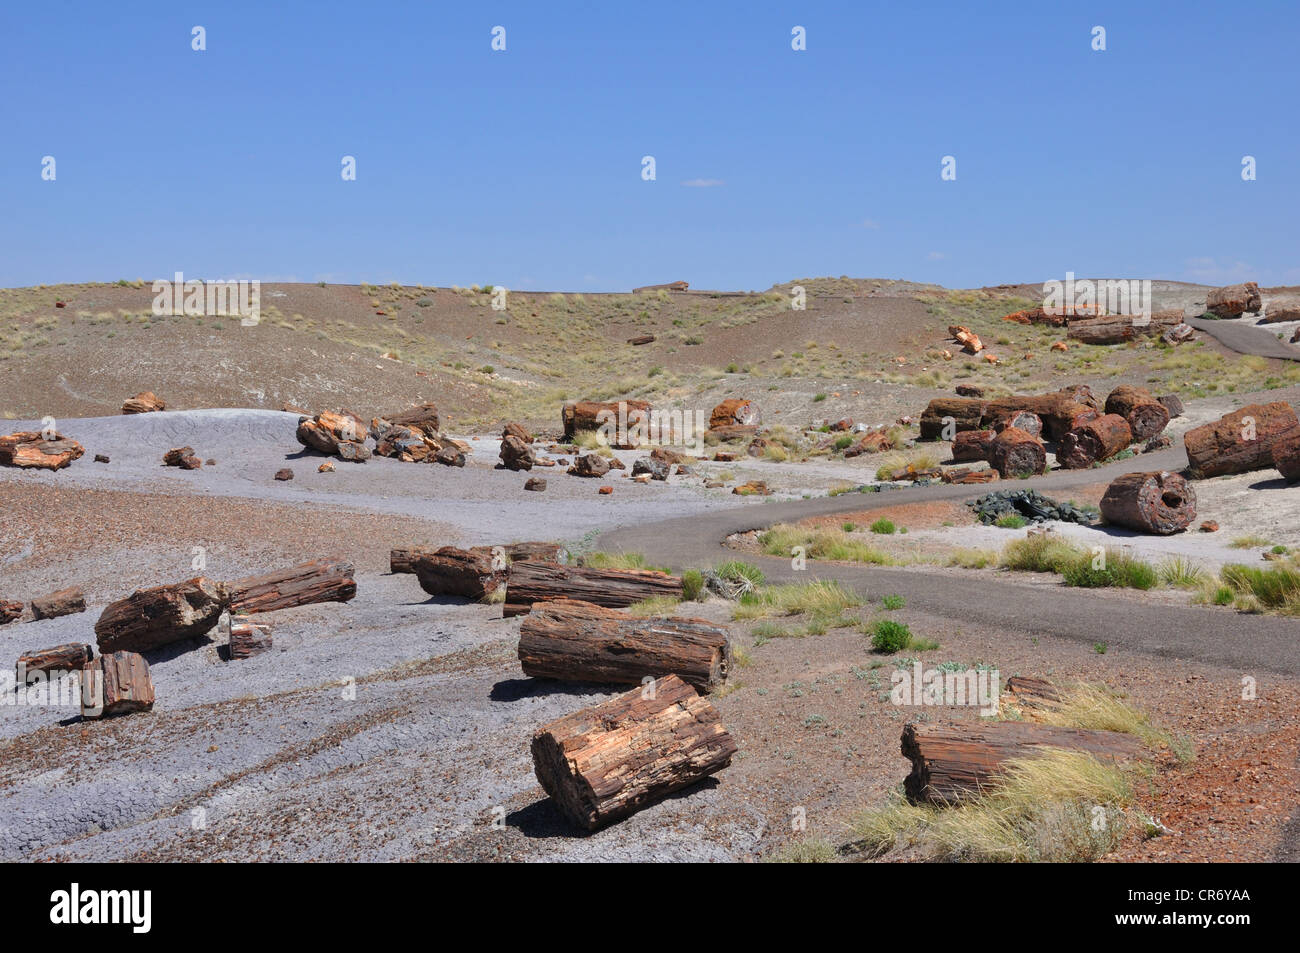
<point>889,636</point>
<point>892,602</point>
<point>883,526</point>
<point>819,398</point>
<point>692,585</point>
<point>1011,521</point>
<point>842,443</point>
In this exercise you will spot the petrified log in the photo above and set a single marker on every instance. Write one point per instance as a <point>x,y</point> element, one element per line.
<point>9,611</point>
<point>64,602</point>
<point>403,443</point>
<point>1058,411</point>
<point>1082,394</point>
<point>1179,333</point>
<point>731,432</point>
<point>967,475</point>
<point>1276,311</point>
<point>469,573</point>
<point>733,410</point>
<point>972,445</point>
<point>341,433</point>
<point>515,454</point>
<point>1232,301</point>
<point>248,639</point>
<point>69,657</point>
<point>1146,416</point>
<point>29,449</point>
<point>1157,502</point>
<point>969,390</point>
<point>619,420</point>
<point>422,417</point>
<point>144,403</point>
<point>1173,403</point>
<point>1014,453</point>
<point>117,683</point>
<point>1240,441</point>
<point>951,763</point>
<point>1030,697</point>
<point>320,580</point>
<point>532,581</point>
<point>182,457</point>
<point>402,559</point>
<point>1024,420</point>
<point>965,413</point>
<point>1118,328</point>
<point>1093,442</point>
<point>641,339</point>
<point>1286,457</point>
<point>577,641</point>
<point>607,762</point>
<point>589,465</point>
<point>516,430</point>
<point>967,338</point>
<point>158,616</point>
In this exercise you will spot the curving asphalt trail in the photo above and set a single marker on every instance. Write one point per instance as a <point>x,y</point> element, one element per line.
<point>1246,339</point>
<point>1212,635</point>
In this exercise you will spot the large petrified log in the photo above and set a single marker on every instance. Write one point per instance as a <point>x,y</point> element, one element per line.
<point>342,434</point>
<point>1146,415</point>
<point>158,616</point>
<point>1093,442</point>
<point>1157,502</point>
<point>144,403</point>
<point>1281,310</point>
<point>733,410</point>
<point>1014,453</point>
<point>468,573</point>
<point>1232,301</point>
<point>1286,457</point>
<point>609,761</point>
<point>116,683</point>
<point>1059,412</point>
<point>69,657</point>
<point>515,454</point>
<point>951,763</point>
<point>968,339</point>
<point>403,559</point>
<point>966,413</point>
<point>30,449</point>
<point>972,445</point>
<point>577,641</point>
<point>320,580</point>
<point>622,420</point>
<point>1118,328</point>
<point>1240,441</point>
<point>532,581</point>
<point>64,602</point>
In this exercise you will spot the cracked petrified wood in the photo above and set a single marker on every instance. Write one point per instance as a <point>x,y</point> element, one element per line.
<point>952,763</point>
<point>144,403</point>
<point>32,450</point>
<point>1014,453</point>
<point>1232,301</point>
<point>604,763</point>
<point>735,411</point>
<point>9,610</point>
<point>1093,442</point>
<point>248,639</point>
<point>1240,441</point>
<point>1146,415</point>
<point>69,657</point>
<point>1119,328</point>
<point>580,415</point>
<point>149,618</point>
<point>1286,457</point>
<point>1157,502</point>
<point>580,642</point>
<point>468,573</point>
<point>320,580</point>
<point>124,686</point>
<point>64,602</point>
<point>532,581</point>
<point>403,559</point>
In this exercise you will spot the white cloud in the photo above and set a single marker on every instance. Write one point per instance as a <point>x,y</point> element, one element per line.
<point>936,256</point>
<point>868,223</point>
<point>703,183</point>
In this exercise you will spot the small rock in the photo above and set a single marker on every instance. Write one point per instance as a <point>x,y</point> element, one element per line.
<point>605,490</point>
<point>1209,526</point>
<point>101,458</point>
<point>285,474</point>
<point>651,469</point>
<point>326,467</point>
<point>535,483</point>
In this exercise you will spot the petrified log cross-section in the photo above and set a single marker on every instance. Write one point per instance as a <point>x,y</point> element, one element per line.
<point>952,763</point>
<point>532,581</point>
<point>609,761</point>
<point>1093,442</point>
<point>577,641</point>
<point>1156,502</point>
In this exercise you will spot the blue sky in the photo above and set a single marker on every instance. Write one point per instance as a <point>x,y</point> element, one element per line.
<point>523,168</point>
